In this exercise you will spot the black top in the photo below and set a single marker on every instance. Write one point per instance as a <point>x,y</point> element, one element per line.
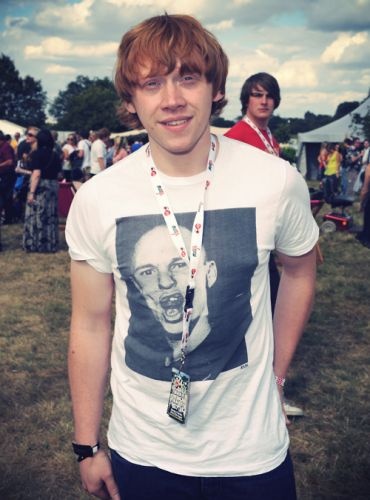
<point>47,161</point>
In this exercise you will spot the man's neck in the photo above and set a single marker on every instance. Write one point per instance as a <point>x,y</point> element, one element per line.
<point>182,163</point>
<point>261,123</point>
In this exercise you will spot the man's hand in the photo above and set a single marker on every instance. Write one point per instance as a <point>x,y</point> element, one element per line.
<point>97,477</point>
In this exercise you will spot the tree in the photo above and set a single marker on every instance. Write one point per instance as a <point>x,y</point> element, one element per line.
<point>218,121</point>
<point>87,104</point>
<point>22,100</point>
<point>363,122</point>
<point>344,108</point>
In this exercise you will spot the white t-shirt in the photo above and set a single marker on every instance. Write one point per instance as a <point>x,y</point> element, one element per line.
<point>98,150</point>
<point>256,202</point>
<point>66,163</point>
<point>84,145</point>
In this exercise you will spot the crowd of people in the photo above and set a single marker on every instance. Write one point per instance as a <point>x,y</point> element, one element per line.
<point>31,167</point>
<point>344,170</point>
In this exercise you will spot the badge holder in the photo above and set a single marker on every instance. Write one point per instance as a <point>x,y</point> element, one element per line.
<point>179,396</point>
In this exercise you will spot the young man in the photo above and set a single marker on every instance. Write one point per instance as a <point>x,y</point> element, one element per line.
<point>259,97</point>
<point>210,424</point>
<point>98,154</point>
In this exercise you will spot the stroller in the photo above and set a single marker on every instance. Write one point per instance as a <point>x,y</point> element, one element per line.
<point>338,219</point>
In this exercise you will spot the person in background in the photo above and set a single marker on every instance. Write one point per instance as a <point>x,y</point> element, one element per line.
<point>259,97</point>
<point>322,159</point>
<point>228,437</point>
<point>84,152</point>
<point>7,176</point>
<point>364,236</point>
<point>354,165</point>
<point>69,147</point>
<point>120,150</point>
<point>57,146</point>
<point>23,171</point>
<point>332,170</point>
<point>14,142</point>
<point>365,161</point>
<point>41,230</point>
<point>110,152</point>
<point>99,152</point>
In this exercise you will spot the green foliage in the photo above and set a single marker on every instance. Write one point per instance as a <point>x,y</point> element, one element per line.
<point>344,108</point>
<point>363,122</point>
<point>289,154</point>
<point>218,121</point>
<point>87,104</point>
<point>22,100</point>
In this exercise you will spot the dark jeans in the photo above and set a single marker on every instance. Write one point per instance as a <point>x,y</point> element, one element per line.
<point>136,482</point>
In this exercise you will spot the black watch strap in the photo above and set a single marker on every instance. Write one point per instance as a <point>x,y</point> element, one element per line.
<point>85,451</point>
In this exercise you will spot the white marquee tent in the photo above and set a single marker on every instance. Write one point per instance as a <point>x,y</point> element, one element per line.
<point>309,142</point>
<point>11,128</point>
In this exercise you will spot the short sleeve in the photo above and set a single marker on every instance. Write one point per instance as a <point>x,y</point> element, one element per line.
<point>297,231</point>
<point>85,232</point>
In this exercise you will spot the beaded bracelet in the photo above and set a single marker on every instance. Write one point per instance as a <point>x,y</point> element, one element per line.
<point>280,381</point>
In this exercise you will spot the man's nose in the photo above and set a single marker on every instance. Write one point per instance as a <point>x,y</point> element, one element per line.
<point>165,280</point>
<point>264,98</point>
<point>172,95</point>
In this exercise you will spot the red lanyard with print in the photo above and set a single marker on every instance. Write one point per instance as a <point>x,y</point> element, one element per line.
<point>180,383</point>
<point>268,145</point>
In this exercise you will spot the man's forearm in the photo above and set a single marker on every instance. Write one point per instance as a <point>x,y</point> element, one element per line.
<point>88,371</point>
<point>293,307</point>
<point>101,163</point>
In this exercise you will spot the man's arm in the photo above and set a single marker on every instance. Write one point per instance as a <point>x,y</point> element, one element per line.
<point>293,306</point>
<point>88,364</point>
<point>101,162</point>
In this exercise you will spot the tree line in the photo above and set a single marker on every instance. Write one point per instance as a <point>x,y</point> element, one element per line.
<point>91,103</point>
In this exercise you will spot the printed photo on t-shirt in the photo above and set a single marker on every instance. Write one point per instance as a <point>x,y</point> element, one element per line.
<point>156,277</point>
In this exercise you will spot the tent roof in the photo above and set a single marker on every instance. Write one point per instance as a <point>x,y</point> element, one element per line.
<point>11,128</point>
<point>338,130</point>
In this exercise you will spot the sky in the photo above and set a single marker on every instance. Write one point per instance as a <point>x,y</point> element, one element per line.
<point>319,50</point>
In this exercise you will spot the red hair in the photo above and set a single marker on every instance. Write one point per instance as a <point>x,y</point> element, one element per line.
<point>163,41</point>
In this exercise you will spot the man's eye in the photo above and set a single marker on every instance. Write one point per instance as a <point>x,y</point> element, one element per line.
<point>189,79</point>
<point>178,265</point>
<point>151,84</point>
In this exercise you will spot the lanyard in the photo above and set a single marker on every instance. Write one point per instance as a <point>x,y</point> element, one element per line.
<point>191,258</point>
<point>269,144</point>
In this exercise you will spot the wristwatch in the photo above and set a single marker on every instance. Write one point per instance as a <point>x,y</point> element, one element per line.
<point>85,451</point>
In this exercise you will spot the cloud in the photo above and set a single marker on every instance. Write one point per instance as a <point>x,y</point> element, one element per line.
<point>68,16</point>
<point>59,47</point>
<point>340,15</point>
<point>225,24</point>
<point>298,74</point>
<point>57,69</point>
<point>15,22</point>
<point>336,50</point>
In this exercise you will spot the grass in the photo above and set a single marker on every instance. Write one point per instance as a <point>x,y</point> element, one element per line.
<point>330,377</point>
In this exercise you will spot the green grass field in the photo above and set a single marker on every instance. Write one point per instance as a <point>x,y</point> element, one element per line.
<point>330,377</point>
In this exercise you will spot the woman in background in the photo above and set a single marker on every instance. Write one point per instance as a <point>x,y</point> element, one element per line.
<point>364,236</point>
<point>41,231</point>
<point>120,150</point>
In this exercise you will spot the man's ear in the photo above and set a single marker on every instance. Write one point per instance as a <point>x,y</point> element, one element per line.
<point>211,273</point>
<point>218,97</point>
<point>130,107</point>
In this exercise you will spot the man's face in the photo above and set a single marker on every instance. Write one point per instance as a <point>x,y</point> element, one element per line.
<point>174,108</point>
<point>260,106</point>
<point>162,277</point>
